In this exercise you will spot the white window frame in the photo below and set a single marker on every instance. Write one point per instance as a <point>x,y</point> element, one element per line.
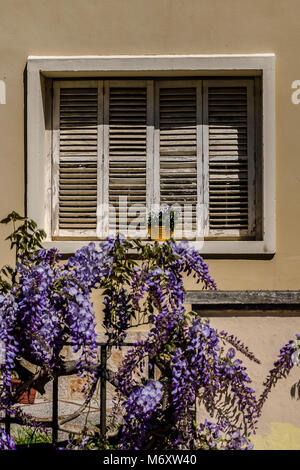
<point>39,184</point>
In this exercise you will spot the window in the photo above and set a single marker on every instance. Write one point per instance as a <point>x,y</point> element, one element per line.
<point>131,144</point>
<point>114,147</point>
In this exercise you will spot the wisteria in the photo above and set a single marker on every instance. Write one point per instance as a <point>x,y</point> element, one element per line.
<point>140,406</point>
<point>195,369</point>
<point>6,442</point>
<point>238,345</point>
<point>190,261</point>
<point>239,442</point>
<point>45,305</point>
<point>48,305</point>
<point>188,357</point>
<point>287,358</point>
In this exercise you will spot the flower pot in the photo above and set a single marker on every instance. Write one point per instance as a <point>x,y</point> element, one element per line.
<point>160,233</point>
<point>27,397</point>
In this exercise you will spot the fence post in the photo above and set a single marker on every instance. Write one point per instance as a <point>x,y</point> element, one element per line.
<point>55,412</point>
<point>103,357</point>
<point>150,369</point>
<point>7,423</point>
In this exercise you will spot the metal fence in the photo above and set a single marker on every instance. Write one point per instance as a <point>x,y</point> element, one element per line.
<point>54,422</point>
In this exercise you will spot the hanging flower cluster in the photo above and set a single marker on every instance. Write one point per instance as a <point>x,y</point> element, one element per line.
<point>238,442</point>
<point>188,355</point>
<point>287,358</point>
<point>48,305</point>
<point>140,407</point>
<point>192,365</point>
<point>6,442</point>
<point>190,261</point>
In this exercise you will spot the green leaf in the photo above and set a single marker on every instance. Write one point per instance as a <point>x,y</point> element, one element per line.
<point>12,217</point>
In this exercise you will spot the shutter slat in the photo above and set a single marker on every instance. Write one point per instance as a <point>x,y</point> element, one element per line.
<point>78,153</point>
<point>127,153</point>
<point>228,156</point>
<point>177,122</point>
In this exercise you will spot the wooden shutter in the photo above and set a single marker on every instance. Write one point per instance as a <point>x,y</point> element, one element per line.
<point>117,141</point>
<point>178,149</point>
<point>128,152</point>
<point>229,157</point>
<point>76,132</point>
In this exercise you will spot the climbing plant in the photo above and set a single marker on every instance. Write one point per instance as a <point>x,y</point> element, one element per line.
<point>199,396</point>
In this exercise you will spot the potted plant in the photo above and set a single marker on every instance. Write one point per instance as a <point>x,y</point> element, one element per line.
<point>27,397</point>
<point>161,223</point>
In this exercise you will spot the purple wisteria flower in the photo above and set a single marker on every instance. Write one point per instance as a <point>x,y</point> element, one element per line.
<point>6,442</point>
<point>140,406</point>
<point>50,305</point>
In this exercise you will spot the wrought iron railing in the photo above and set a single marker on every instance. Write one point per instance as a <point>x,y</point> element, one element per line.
<point>53,423</point>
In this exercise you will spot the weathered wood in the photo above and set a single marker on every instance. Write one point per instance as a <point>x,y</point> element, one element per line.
<point>258,158</point>
<point>128,152</point>
<point>243,299</point>
<point>110,124</point>
<point>228,154</point>
<point>72,152</point>
<point>178,150</point>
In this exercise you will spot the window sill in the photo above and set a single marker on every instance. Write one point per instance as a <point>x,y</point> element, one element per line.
<point>244,300</point>
<point>222,248</point>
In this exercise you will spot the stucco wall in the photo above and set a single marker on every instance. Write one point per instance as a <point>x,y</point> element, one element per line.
<point>73,27</point>
<point>265,334</point>
<point>104,27</point>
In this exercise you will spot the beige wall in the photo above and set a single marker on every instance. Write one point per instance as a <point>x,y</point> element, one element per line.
<point>104,27</point>
<point>265,334</point>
